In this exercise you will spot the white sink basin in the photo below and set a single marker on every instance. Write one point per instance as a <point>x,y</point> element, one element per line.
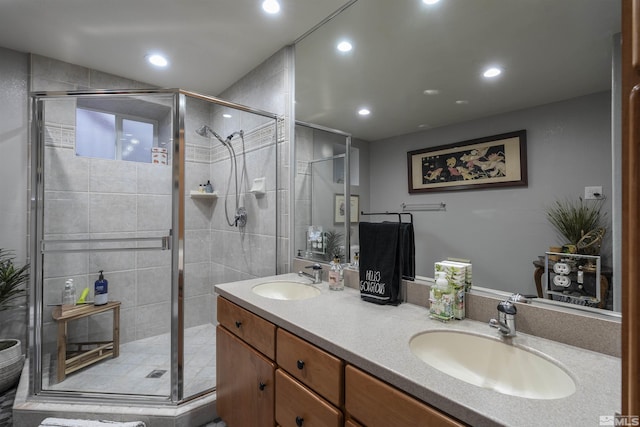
<point>492,364</point>
<point>286,290</point>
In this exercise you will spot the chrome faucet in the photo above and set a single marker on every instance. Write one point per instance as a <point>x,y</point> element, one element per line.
<point>506,321</point>
<point>316,277</point>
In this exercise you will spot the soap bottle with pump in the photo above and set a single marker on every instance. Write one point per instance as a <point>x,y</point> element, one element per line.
<point>441,299</point>
<point>68,295</point>
<point>208,188</point>
<point>101,297</point>
<point>336,275</point>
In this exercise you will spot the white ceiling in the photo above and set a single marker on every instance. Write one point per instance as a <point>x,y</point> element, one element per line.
<point>550,50</point>
<point>210,43</point>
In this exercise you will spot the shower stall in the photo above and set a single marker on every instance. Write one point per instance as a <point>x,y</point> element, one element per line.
<point>119,186</point>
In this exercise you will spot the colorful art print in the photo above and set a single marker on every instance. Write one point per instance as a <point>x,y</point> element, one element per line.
<point>493,161</point>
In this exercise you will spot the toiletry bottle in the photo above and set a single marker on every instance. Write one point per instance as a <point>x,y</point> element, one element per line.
<point>336,275</point>
<point>68,295</point>
<point>356,260</point>
<point>208,188</point>
<point>440,299</point>
<point>100,291</point>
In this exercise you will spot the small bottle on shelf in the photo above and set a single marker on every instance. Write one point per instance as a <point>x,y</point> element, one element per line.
<point>68,295</point>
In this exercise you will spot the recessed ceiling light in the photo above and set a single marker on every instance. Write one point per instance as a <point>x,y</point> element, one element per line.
<point>364,112</point>
<point>226,115</point>
<point>431,92</point>
<point>492,72</point>
<point>157,60</point>
<point>344,46</point>
<point>271,6</point>
<point>462,102</point>
<point>430,1</point>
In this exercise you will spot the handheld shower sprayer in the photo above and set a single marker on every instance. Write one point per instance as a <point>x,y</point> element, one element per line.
<point>240,219</point>
<point>206,131</point>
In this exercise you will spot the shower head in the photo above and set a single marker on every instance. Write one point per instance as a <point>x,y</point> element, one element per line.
<point>206,131</point>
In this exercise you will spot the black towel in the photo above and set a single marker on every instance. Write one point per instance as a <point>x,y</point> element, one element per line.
<point>407,248</point>
<point>380,264</point>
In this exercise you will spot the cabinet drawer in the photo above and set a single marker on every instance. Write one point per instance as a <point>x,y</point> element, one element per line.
<point>317,369</point>
<point>253,329</point>
<point>376,404</point>
<point>297,406</point>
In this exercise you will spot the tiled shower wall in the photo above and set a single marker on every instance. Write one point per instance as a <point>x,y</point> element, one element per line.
<point>98,198</point>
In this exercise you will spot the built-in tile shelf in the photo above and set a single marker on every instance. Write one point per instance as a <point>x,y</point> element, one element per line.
<point>194,194</point>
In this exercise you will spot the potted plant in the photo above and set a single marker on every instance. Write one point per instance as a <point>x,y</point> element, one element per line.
<point>12,288</point>
<point>334,245</point>
<point>579,223</point>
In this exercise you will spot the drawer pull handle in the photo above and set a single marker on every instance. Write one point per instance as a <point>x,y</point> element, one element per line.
<point>238,323</point>
<point>299,421</point>
<point>300,364</point>
<point>261,386</point>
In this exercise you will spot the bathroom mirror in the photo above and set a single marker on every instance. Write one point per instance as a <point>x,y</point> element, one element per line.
<point>418,69</point>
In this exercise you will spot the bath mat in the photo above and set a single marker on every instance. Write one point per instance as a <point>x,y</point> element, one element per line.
<point>63,422</point>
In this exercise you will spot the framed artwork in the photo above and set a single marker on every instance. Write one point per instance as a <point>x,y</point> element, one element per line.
<point>492,161</point>
<point>339,208</point>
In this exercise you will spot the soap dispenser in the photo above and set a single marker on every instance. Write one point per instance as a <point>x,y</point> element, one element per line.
<point>101,296</point>
<point>336,275</point>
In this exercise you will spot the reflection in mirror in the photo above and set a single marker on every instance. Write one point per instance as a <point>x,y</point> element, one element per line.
<point>320,186</point>
<point>418,69</point>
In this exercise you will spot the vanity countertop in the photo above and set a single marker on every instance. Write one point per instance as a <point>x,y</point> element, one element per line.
<point>376,339</point>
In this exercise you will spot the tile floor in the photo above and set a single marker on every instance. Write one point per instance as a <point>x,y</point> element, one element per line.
<point>130,372</point>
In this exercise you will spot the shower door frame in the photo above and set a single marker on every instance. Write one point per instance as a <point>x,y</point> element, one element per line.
<point>176,242</point>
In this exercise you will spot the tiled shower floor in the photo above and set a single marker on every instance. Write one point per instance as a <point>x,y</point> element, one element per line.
<point>130,372</point>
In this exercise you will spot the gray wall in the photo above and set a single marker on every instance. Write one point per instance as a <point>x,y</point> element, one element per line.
<point>502,231</point>
<point>14,75</point>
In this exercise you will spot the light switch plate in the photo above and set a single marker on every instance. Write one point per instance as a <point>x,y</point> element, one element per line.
<point>593,193</point>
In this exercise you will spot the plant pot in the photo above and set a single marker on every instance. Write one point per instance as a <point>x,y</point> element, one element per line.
<point>11,361</point>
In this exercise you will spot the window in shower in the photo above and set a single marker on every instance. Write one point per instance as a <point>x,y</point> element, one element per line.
<point>108,135</point>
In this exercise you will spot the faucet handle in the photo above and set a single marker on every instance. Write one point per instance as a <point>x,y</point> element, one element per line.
<point>315,266</point>
<point>507,307</point>
<point>519,298</point>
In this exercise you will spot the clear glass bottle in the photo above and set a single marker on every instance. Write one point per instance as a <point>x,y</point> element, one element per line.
<point>356,261</point>
<point>336,275</point>
<point>68,295</point>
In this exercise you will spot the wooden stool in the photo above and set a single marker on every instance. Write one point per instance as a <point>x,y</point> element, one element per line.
<point>82,357</point>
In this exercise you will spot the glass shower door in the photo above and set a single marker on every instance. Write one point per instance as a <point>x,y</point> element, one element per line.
<point>104,197</point>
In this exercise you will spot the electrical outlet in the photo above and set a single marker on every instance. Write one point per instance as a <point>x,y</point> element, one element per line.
<point>593,193</point>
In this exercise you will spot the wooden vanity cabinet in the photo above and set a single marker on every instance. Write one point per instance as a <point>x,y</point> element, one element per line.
<point>245,367</point>
<point>298,406</point>
<point>374,403</point>
<point>245,383</point>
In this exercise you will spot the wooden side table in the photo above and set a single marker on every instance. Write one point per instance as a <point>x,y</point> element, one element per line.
<point>605,277</point>
<point>86,353</point>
